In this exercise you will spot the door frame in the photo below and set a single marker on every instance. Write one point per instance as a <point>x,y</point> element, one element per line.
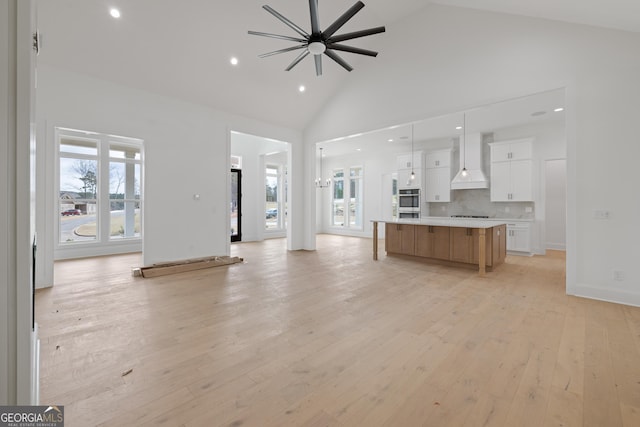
<point>238,236</point>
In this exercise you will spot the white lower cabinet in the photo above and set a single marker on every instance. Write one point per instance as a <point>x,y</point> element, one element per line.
<point>519,237</point>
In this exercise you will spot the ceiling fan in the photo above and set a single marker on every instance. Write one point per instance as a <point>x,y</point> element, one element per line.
<point>318,42</point>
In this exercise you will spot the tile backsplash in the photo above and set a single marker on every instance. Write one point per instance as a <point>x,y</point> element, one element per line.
<point>477,202</point>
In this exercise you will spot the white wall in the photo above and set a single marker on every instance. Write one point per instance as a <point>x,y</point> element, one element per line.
<point>445,59</point>
<point>186,153</point>
<point>549,143</point>
<point>7,192</point>
<point>18,379</point>
<point>556,208</point>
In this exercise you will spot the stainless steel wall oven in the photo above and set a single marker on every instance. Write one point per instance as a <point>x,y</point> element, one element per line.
<point>409,203</point>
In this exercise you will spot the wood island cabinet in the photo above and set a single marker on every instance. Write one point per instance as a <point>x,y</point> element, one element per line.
<point>400,238</point>
<point>453,244</point>
<point>432,241</point>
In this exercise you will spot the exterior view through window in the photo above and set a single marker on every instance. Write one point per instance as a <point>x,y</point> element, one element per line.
<point>337,198</point>
<point>351,215</point>
<point>355,197</point>
<point>99,187</point>
<point>275,197</point>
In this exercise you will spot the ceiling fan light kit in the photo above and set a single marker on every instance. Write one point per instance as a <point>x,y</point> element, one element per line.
<point>320,42</point>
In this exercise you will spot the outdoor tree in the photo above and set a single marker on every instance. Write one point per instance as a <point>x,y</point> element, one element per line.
<point>86,173</point>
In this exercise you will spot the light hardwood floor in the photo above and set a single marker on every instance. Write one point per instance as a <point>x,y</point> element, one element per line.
<point>333,338</point>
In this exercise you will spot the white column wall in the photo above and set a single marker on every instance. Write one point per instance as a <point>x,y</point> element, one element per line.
<point>7,195</point>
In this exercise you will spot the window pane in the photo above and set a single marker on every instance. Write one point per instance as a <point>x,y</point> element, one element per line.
<point>355,197</point>
<point>79,146</point>
<point>272,219</point>
<point>338,190</point>
<point>123,151</point>
<point>124,219</point>
<point>78,178</point>
<point>124,180</point>
<point>338,213</point>
<point>337,203</point>
<point>77,221</point>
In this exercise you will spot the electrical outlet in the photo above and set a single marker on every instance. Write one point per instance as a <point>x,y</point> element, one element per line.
<point>507,209</point>
<point>528,209</point>
<point>601,214</point>
<point>618,275</point>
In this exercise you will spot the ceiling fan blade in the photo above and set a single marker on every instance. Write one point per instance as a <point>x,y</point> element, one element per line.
<point>318,60</point>
<point>336,46</point>
<point>287,22</point>
<point>288,49</point>
<point>315,21</point>
<point>277,36</point>
<point>356,34</point>
<point>331,54</point>
<point>331,29</point>
<point>297,60</point>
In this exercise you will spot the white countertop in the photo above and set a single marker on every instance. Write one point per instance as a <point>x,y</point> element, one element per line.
<point>446,222</point>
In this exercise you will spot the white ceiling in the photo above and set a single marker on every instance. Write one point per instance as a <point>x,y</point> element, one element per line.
<point>182,49</point>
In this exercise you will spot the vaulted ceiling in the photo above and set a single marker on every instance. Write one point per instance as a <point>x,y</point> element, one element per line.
<point>182,48</point>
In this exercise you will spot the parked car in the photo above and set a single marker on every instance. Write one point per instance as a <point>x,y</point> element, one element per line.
<point>272,213</point>
<point>70,212</point>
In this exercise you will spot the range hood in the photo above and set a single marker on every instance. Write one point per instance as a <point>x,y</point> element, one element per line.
<point>471,158</point>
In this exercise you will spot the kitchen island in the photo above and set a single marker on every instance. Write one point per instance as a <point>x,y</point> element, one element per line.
<point>452,241</point>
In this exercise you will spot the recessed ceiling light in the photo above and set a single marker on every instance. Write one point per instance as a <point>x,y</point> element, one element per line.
<point>234,60</point>
<point>458,127</point>
<point>557,110</point>
<point>390,140</point>
<point>302,88</point>
<point>538,113</point>
<point>358,149</point>
<point>114,12</point>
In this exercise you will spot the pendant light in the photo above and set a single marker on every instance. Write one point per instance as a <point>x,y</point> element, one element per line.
<point>464,173</point>
<point>320,183</point>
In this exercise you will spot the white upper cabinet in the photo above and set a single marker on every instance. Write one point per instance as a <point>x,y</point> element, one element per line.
<point>438,185</point>
<point>407,163</point>
<point>438,159</point>
<point>512,171</point>
<point>520,149</point>
<point>409,160</point>
<point>438,176</point>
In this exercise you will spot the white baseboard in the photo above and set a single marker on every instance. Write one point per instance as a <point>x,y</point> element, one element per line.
<point>608,295</point>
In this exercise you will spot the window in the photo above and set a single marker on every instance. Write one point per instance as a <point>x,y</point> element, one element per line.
<point>99,187</point>
<point>124,190</point>
<point>337,198</point>
<point>394,195</point>
<point>78,190</point>
<point>275,200</point>
<point>355,197</point>
<point>347,214</point>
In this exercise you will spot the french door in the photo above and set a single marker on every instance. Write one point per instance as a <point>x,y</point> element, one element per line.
<point>236,205</point>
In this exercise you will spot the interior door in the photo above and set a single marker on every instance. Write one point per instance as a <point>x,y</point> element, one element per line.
<point>236,205</point>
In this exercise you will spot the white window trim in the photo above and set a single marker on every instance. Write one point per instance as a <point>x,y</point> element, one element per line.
<point>280,196</point>
<point>346,189</point>
<point>103,245</point>
<point>361,179</point>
